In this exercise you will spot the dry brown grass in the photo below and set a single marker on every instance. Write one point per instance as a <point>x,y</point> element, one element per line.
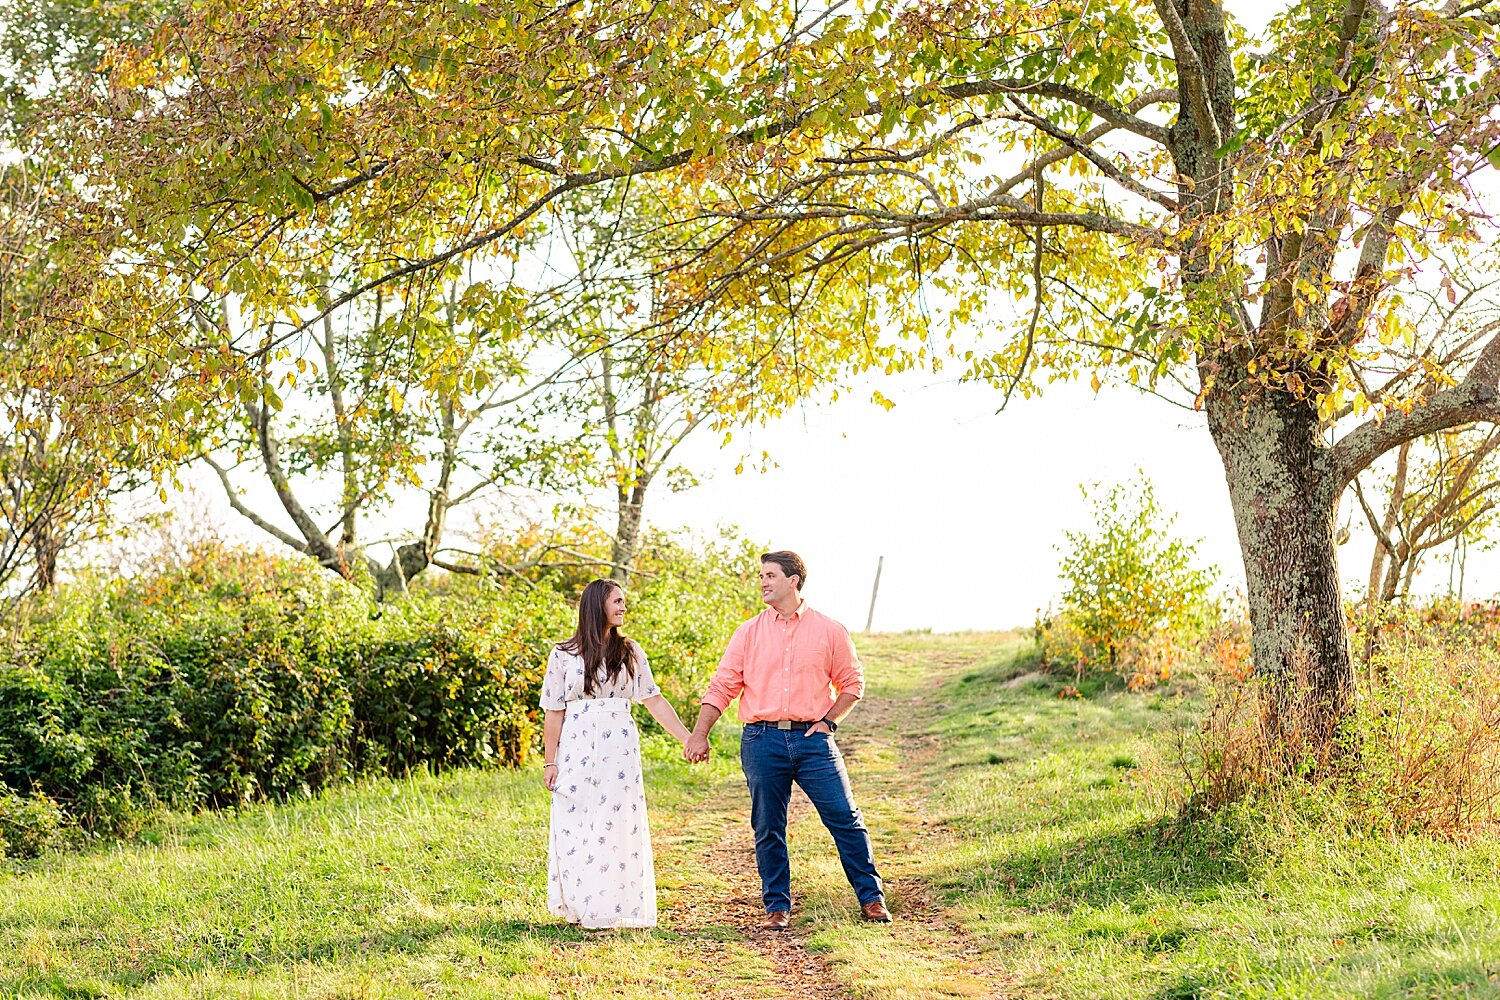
<point>1419,753</point>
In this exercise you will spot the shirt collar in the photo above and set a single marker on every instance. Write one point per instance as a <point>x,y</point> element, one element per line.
<point>799,613</point>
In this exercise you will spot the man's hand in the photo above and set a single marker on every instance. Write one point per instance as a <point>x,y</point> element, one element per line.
<point>695,749</point>
<point>817,727</point>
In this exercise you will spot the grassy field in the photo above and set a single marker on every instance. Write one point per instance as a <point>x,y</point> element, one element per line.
<point>1020,834</point>
<point>1058,861</point>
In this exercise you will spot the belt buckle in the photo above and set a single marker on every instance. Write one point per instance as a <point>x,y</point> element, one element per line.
<point>784,724</point>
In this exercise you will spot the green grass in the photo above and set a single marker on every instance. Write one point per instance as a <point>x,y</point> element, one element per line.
<point>1021,835</point>
<point>1058,861</point>
<point>430,886</point>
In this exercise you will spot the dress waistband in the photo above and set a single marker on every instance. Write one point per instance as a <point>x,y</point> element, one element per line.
<point>612,705</point>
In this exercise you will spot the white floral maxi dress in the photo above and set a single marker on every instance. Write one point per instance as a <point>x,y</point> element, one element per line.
<point>600,871</point>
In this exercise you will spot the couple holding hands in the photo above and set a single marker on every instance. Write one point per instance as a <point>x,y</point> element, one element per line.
<point>796,675</point>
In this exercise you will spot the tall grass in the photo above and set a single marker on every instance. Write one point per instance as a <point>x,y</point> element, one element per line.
<point>1419,753</point>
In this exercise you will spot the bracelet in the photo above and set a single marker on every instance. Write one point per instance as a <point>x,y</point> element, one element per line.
<point>550,763</point>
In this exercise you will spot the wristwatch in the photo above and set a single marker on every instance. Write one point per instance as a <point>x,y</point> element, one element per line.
<point>833,727</point>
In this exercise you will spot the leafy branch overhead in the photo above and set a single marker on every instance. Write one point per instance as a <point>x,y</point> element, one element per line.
<point>1241,222</point>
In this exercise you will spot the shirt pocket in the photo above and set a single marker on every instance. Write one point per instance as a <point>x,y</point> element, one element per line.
<point>812,657</point>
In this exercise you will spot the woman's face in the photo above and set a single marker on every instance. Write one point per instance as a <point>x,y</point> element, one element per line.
<point>614,608</point>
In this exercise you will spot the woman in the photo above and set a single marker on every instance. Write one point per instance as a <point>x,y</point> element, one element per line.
<point>599,867</point>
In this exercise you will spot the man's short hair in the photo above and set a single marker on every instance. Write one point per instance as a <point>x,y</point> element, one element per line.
<point>791,564</point>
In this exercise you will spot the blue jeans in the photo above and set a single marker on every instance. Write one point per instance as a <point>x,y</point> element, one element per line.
<point>774,758</point>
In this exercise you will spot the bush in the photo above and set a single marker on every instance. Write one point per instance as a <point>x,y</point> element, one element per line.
<point>242,675</point>
<point>28,826</point>
<point>452,682</point>
<point>686,605</point>
<point>199,686</point>
<point>1427,728</point>
<point>1133,597</point>
<point>1419,753</point>
<point>686,596</point>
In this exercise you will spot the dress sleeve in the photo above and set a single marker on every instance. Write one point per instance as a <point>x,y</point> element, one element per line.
<point>645,684</point>
<point>555,683</point>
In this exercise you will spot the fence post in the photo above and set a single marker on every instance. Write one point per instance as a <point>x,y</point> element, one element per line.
<point>873,591</point>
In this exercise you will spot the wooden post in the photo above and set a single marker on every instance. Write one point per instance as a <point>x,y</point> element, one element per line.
<point>873,591</point>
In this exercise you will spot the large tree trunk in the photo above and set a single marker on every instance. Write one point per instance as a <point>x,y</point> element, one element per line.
<point>412,558</point>
<point>392,579</point>
<point>1268,436</point>
<point>1284,510</point>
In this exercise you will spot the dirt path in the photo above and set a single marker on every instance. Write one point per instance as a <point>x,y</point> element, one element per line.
<point>923,932</point>
<point>797,971</point>
<point>912,901</point>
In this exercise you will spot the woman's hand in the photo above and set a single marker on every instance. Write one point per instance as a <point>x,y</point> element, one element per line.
<point>549,777</point>
<point>695,749</point>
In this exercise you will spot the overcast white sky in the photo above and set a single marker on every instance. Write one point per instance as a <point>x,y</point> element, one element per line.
<point>966,505</point>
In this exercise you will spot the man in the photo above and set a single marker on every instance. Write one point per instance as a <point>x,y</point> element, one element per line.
<point>796,675</point>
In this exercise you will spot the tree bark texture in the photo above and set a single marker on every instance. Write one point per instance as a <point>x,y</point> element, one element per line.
<point>627,537</point>
<point>1268,439</point>
<point>1285,515</point>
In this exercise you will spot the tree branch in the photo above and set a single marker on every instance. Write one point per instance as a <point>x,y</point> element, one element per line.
<point>1082,148</point>
<point>238,505</point>
<point>1190,72</point>
<point>1475,399</point>
<point>1117,117</point>
<point>317,542</point>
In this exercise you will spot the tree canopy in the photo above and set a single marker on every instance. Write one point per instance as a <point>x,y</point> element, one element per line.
<point>1170,198</point>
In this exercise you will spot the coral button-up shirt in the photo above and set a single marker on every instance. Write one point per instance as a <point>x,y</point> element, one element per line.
<point>786,667</point>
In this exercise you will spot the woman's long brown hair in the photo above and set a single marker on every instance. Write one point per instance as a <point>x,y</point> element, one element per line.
<point>605,651</point>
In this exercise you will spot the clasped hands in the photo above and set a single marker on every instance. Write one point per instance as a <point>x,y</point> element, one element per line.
<point>695,749</point>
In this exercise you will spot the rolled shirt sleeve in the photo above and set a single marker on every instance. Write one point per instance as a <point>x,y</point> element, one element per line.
<point>729,680</point>
<point>846,674</point>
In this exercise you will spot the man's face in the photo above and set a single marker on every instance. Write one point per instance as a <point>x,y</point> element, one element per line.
<point>775,586</point>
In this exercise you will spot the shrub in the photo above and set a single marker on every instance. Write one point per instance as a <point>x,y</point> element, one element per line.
<point>686,605</point>
<point>1132,594</point>
<point>28,826</point>
<point>451,682</point>
<point>686,596</point>
<point>96,730</point>
<point>1427,728</point>
<point>196,686</point>
<point>241,675</point>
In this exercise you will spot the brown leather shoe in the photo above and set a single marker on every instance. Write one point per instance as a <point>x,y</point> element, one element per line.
<point>875,912</point>
<point>777,920</point>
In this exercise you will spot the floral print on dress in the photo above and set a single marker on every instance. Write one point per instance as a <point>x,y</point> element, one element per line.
<point>613,882</point>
